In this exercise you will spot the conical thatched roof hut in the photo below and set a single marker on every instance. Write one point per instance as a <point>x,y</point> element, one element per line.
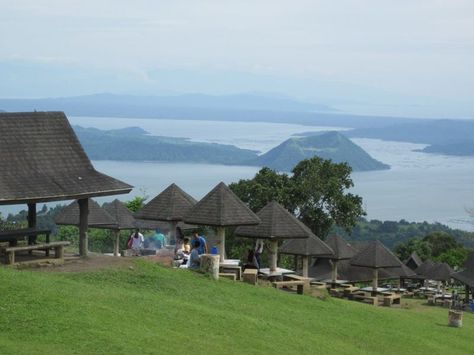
<point>98,217</point>
<point>342,251</point>
<point>221,208</point>
<point>341,248</point>
<point>376,256</point>
<point>467,275</point>
<point>414,261</point>
<point>122,216</point>
<point>308,247</point>
<point>277,224</point>
<point>439,272</point>
<point>171,204</point>
<point>423,268</point>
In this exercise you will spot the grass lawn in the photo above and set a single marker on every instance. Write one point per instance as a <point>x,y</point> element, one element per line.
<point>151,309</point>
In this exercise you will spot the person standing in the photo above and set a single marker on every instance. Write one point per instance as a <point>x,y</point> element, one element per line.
<point>136,241</point>
<point>202,248</point>
<point>258,252</point>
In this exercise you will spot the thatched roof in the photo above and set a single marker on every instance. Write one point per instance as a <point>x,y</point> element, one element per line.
<point>341,248</point>
<point>322,270</point>
<point>439,272</point>
<point>170,205</point>
<point>42,160</point>
<point>376,256</point>
<point>311,246</point>
<point>423,268</point>
<point>221,208</point>
<point>403,272</point>
<point>414,261</point>
<point>121,215</point>
<point>466,276</point>
<point>98,217</point>
<point>276,223</point>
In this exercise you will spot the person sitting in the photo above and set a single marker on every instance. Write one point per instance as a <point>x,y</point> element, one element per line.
<point>194,261</point>
<point>186,246</point>
<point>251,261</point>
<point>202,243</point>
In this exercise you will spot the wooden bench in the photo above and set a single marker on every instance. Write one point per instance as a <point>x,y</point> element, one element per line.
<point>250,276</point>
<point>230,268</point>
<point>294,277</point>
<point>57,246</point>
<point>228,275</point>
<point>299,285</point>
<point>373,300</point>
<point>392,298</point>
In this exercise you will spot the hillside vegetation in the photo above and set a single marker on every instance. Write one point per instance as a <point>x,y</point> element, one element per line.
<point>149,309</point>
<point>328,145</point>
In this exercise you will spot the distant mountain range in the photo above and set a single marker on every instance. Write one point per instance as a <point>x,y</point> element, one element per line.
<point>135,144</point>
<point>328,145</point>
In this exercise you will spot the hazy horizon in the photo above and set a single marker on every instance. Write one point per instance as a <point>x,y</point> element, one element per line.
<point>390,58</point>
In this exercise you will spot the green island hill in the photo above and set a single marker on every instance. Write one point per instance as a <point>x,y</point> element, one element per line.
<point>136,144</point>
<point>327,145</point>
<point>147,308</point>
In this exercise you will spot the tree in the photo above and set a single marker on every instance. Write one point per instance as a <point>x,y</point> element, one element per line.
<point>316,193</point>
<point>422,248</point>
<point>441,242</point>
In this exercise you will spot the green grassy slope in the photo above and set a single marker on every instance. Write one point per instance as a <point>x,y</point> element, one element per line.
<point>151,309</point>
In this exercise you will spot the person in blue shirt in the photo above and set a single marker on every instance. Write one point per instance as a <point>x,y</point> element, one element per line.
<point>202,248</point>
<point>194,261</point>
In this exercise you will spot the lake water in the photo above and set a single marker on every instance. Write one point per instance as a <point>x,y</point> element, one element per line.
<point>418,187</point>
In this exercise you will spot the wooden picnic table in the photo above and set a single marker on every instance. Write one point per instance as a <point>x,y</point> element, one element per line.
<point>14,235</point>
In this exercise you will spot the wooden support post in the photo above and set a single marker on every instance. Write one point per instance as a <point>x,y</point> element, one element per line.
<point>116,234</point>
<point>466,297</point>
<point>375,282</point>
<point>295,262</point>
<point>10,257</point>
<point>334,273</point>
<point>83,225</point>
<point>59,252</point>
<point>273,254</point>
<point>305,265</point>
<point>31,221</point>
<point>173,225</point>
<point>221,237</point>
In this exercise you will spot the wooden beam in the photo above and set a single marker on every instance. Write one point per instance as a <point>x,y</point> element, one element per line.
<point>334,273</point>
<point>375,282</point>
<point>305,265</point>
<point>273,254</point>
<point>116,234</point>
<point>83,225</point>
<point>221,237</point>
<point>31,221</point>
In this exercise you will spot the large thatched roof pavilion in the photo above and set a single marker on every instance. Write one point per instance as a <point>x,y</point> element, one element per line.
<point>221,208</point>
<point>171,205</point>
<point>42,160</point>
<point>276,224</point>
<point>376,256</point>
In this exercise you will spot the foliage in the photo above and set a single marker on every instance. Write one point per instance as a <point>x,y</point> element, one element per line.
<point>439,246</point>
<point>316,193</point>
<point>150,309</point>
<point>422,248</point>
<point>392,233</point>
<point>137,203</point>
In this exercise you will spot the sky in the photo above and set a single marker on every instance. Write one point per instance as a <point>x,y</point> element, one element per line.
<point>392,57</point>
